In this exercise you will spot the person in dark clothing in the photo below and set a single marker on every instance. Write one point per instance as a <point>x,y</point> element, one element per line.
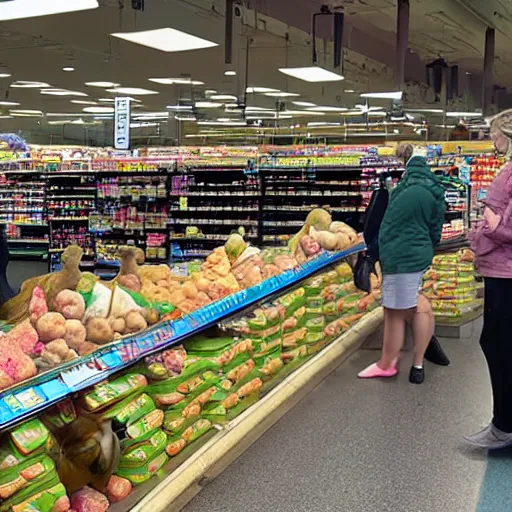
<point>410,231</point>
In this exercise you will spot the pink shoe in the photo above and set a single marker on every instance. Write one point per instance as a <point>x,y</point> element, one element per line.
<point>374,372</point>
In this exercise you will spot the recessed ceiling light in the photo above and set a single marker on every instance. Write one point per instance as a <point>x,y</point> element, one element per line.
<point>26,112</point>
<point>24,84</point>
<point>349,91</point>
<point>230,73</point>
<point>136,91</point>
<point>179,107</point>
<point>6,117</point>
<point>223,97</point>
<point>61,92</point>
<point>9,103</point>
<point>83,102</point>
<point>281,94</point>
<point>30,8</point>
<point>463,114</point>
<point>99,110</point>
<point>312,74</point>
<point>68,69</point>
<point>166,40</point>
<point>304,104</point>
<point>209,92</point>
<point>176,81</point>
<point>223,123</point>
<point>321,108</point>
<point>252,90</point>
<point>5,75</point>
<point>185,118</point>
<point>105,85</point>
<point>208,104</point>
<point>396,95</point>
<point>107,100</point>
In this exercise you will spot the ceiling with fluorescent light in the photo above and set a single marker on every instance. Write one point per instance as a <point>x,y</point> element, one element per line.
<point>38,50</point>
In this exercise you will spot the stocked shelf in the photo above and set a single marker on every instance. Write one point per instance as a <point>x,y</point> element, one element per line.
<point>32,396</point>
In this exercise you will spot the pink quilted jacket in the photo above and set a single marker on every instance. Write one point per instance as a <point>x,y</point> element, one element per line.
<point>494,248</point>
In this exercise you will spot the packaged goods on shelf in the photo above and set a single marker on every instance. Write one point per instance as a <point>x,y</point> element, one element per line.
<point>451,286</point>
<point>160,386</point>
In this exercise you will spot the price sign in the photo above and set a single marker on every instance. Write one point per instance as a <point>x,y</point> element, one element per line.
<point>93,369</point>
<point>122,123</point>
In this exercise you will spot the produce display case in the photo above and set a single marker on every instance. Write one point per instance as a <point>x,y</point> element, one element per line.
<point>168,388</point>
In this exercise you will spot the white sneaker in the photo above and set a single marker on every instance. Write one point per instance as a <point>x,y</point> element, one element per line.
<point>490,438</point>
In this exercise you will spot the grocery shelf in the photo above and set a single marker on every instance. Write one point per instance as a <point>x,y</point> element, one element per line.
<point>30,397</point>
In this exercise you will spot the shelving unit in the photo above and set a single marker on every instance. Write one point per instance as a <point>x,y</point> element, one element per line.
<point>209,199</point>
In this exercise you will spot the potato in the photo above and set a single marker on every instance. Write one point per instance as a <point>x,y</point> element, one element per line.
<point>189,290</point>
<point>342,241</point>
<point>70,304</point>
<point>87,348</point>
<point>118,324</point>
<point>151,315</point>
<point>202,284</point>
<point>99,331</point>
<point>75,334</point>
<point>135,322</point>
<point>130,282</point>
<point>51,326</point>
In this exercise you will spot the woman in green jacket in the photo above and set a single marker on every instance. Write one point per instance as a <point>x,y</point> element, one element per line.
<point>410,231</point>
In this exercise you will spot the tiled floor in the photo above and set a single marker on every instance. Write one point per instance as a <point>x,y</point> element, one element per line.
<point>374,446</point>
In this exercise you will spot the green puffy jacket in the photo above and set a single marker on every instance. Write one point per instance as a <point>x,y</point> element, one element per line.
<point>413,221</point>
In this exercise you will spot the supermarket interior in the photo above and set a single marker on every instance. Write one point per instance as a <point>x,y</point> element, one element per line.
<point>186,292</point>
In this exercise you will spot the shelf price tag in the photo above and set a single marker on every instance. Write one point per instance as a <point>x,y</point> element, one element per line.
<point>24,400</point>
<point>90,370</point>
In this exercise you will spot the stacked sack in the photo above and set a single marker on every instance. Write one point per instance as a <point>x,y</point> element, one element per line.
<point>450,285</point>
<point>137,423</point>
<point>28,476</point>
<point>181,399</point>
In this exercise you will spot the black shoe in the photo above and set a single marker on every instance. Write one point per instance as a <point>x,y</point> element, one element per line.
<point>417,375</point>
<point>435,353</point>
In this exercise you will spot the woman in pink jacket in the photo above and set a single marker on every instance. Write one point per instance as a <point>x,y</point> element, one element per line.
<point>492,242</point>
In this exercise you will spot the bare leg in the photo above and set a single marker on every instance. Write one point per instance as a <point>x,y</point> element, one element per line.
<point>394,336</point>
<point>422,324</point>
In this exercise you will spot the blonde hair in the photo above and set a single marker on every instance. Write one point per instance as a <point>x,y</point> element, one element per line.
<point>404,151</point>
<point>503,122</point>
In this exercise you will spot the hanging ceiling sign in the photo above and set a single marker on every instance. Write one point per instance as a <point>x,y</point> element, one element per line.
<point>122,123</point>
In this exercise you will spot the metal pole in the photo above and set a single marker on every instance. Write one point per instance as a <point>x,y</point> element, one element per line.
<point>490,42</point>
<point>228,44</point>
<point>402,40</point>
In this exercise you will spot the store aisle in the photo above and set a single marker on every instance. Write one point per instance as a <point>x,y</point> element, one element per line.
<point>374,446</point>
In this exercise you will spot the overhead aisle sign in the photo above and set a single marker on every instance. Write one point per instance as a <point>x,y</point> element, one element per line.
<point>122,123</point>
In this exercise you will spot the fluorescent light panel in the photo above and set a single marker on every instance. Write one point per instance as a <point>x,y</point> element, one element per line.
<point>176,81</point>
<point>281,94</point>
<point>263,90</point>
<point>463,114</point>
<point>104,85</point>
<point>135,91</point>
<point>312,74</point>
<point>304,104</point>
<point>99,110</point>
<point>24,84</point>
<point>166,40</point>
<point>19,9</point>
<point>61,92</point>
<point>8,104</point>
<point>397,95</point>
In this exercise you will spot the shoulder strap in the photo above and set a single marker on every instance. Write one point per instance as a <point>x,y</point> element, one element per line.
<point>373,220</point>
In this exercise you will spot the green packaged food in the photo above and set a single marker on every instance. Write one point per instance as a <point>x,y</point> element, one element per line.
<point>30,436</point>
<point>301,316</point>
<point>314,337</point>
<point>265,346</point>
<point>146,424</point>
<point>175,423</point>
<point>315,302</point>
<point>265,335</point>
<point>330,277</point>
<point>208,347</point>
<point>313,312</point>
<point>108,393</point>
<point>293,301</point>
<point>294,338</point>
<point>144,452</point>
<point>264,318</point>
<point>143,473</point>
<point>61,414</point>
<point>261,357</point>
<point>315,325</point>
<point>329,309</point>
<point>314,286</point>
<point>40,495</point>
<point>195,431</point>
<point>135,409</point>
<point>30,472</point>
